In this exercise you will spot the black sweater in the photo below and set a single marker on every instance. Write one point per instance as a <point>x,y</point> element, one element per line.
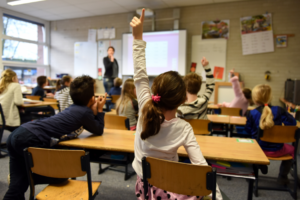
<point>109,67</point>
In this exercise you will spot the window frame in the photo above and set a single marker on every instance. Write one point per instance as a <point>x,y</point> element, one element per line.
<point>27,18</point>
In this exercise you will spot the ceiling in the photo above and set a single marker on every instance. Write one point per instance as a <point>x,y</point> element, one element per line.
<point>66,9</point>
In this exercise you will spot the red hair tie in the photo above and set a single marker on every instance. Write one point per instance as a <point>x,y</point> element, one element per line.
<point>266,104</point>
<point>156,98</point>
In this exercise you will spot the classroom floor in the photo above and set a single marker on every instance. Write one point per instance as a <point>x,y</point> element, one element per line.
<point>114,187</point>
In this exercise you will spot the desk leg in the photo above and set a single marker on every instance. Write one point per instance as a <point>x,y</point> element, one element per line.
<point>231,130</point>
<point>227,130</point>
<point>250,189</point>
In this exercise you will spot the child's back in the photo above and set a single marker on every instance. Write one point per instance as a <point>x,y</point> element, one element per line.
<point>63,92</point>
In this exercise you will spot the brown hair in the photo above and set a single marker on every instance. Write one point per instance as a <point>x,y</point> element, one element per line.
<point>171,88</point>
<point>118,82</point>
<point>111,47</point>
<point>193,83</point>
<point>41,80</point>
<point>261,95</point>
<point>6,78</point>
<point>248,95</point>
<point>127,94</point>
<point>61,82</point>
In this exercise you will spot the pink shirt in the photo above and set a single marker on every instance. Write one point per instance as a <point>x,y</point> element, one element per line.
<point>239,100</point>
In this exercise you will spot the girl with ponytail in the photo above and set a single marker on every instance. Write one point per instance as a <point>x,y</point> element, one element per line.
<point>10,98</point>
<point>265,117</point>
<point>63,92</point>
<point>159,133</point>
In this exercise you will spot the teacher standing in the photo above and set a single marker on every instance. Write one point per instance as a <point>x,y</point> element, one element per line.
<point>111,69</point>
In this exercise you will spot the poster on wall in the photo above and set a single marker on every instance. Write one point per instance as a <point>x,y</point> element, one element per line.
<point>218,73</point>
<point>257,34</point>
<point>215,29</point>
<point>281,41</point>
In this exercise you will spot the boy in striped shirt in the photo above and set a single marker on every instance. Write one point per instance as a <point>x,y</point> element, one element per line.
<point>195,106</point>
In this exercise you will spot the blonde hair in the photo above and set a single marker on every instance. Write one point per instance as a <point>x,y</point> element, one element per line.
<point>261,95</point>
<point>6,78</point>
<point>127,94</point>
<point>118,82</point>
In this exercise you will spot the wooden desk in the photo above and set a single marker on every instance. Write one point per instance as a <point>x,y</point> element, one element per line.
<point>215,106</point>
<point>28,105</point>
<point>215,148</point>
<point>99,94</point>
<point>241,121</point>
<point>112,112</point>
<point>222,119</point>
<point>49,88</point>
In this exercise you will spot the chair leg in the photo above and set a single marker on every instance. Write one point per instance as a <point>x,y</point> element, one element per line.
<point>295,180</point>
<point>126,173</point>
<point>256,180</point>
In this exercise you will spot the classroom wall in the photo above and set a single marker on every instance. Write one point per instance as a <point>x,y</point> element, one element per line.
<point>283,63</point>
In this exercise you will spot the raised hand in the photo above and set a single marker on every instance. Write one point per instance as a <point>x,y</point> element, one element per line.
<point>231,72</point>
<point>137,26</point>
<point>112,58</point>
<point>204,62</point>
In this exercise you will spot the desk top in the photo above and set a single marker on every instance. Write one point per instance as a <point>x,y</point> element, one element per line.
<point>238,121</point>
<point>223,119</point>
<point>215,148</point>
<point>214,106</point>
<point>28,105</point>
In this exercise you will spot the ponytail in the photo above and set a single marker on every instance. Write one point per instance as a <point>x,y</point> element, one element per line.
<point>152,119</point>
<point>58,85</point>
<point>6,78</point>
<point>266,119</point>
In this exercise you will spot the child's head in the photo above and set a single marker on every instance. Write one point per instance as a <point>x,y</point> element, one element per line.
<point>193,83</point>
<point>128,93</point>
<point>65,81</point>
<point>7,76</point>
<point>261,95</point>
<point>171,89</point>
<point>118,82</point>
<point>82,90</point>
<point>42,81</point>
<point>248,95</point>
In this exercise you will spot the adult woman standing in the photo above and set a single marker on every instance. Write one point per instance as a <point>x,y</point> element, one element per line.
<point>111,69</point>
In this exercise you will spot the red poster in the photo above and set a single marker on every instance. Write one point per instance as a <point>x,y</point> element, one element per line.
<point>193,67</point>
<point>218,73</point>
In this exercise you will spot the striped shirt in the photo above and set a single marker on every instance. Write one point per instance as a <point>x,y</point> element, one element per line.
<point>64,98</point>
<point>198,108</point>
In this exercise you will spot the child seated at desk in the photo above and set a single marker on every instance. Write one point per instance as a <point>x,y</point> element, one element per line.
<point>63,92</point>
<point>127,104</point>
<point>266,116</point>
<point>116,90</point>
<point>39,89</point>
<point>159,132</point>
<point>242,97</point>
<point>195,107</point>
<point>85,113</point>
<point>10,98</point>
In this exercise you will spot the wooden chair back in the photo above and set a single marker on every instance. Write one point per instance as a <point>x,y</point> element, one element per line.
<point>231,111</point>
<point>33,97</point>
<point>114,98</point>
<point>56,163</point>
<point>116,122</point>
<point>55,107</point>
<point>200,126</point>
<point>197,180</point>
<point>279,134</point>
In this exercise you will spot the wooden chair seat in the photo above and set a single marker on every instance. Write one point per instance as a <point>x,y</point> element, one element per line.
<point>73,189</point>
<point>286,157</point>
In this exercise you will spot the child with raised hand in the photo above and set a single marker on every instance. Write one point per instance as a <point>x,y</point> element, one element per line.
<point>127,104</point>
<point>242,97</point>
<point>195,107</point>
<point>159,132</point>
<point>85,113</point>
<point>266,116</point>
<point>63,92</point>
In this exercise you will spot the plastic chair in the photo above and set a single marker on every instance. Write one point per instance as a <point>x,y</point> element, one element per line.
<point>61,164</point>
<point>231,111</point>
<point>280,134</point>
<point>114,98</point>
<point>200,126</point>
<point>116,122</point>
<point>197,180</point>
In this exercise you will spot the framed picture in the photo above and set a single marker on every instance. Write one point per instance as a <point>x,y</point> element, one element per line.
<point>281,41</point>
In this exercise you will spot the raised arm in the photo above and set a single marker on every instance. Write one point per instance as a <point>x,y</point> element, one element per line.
<point>235,84</point>
<point>210,81</point>
<point>140,77</point>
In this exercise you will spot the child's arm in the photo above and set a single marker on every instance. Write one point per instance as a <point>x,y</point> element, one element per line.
<point>141,80</point>
<point>18,99</point>
<point>193,149</point>
<point>287,118</point>
<point>95,124</point>
<point>210,81</point>
<point>236,85</point>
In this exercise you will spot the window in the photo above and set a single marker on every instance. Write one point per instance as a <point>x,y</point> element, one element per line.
<point>19,28</point>
<point>28,76</point>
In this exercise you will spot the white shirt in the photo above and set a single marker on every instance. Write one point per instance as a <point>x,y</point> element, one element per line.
<point>10,98</point>
<point>64,98</point>
<point>172,134</point>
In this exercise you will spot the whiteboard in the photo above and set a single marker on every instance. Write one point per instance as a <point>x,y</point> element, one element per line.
<point>85,59</point>
<point>214,50</point>
<point>102,52</point>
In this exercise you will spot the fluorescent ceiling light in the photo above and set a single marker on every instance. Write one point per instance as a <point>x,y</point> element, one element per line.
<point>19,2</point>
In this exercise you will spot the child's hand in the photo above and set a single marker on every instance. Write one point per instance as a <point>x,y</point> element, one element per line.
<point>101,102</point>
<point>94,106</point>
<point>204,62</point>
<point>137,26</point>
